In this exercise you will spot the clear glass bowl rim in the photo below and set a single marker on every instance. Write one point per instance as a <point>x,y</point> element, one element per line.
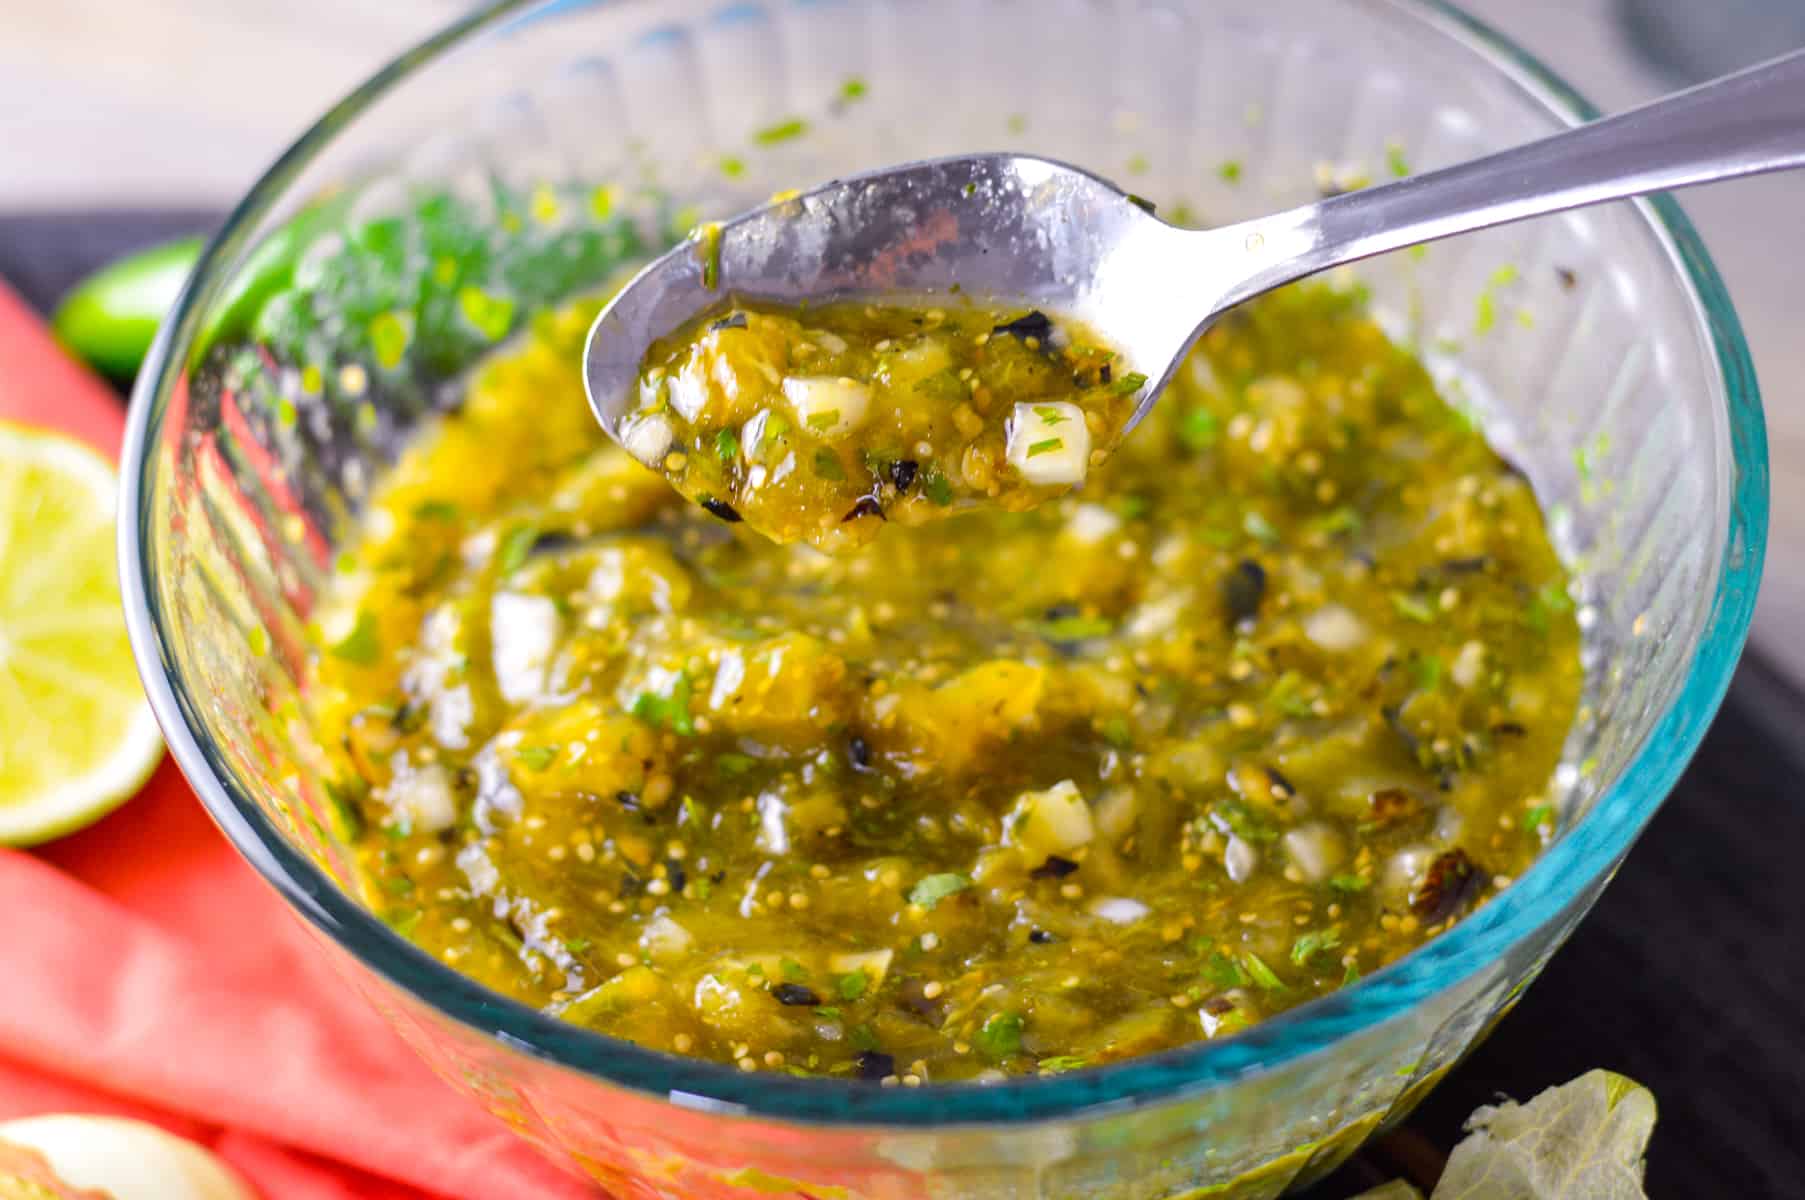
<point>1538,898</point>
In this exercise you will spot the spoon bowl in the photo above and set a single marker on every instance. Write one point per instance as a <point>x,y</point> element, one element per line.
<point>1006,228</point>
<point>1027,231</point>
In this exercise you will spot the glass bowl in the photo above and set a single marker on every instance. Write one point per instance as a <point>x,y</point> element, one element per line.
<point>529,152</point>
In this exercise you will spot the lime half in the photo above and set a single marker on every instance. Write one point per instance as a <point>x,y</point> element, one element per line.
<point>76,735</point>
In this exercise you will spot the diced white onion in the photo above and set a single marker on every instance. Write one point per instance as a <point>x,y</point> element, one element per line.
<point>1315,850</point>
<point>664,939</point>
<point>1116,811</point>
<point>1051,822</point>
<point>1240,859</point>
<point>926,357</point>
<point>688,391</point>
<point>714,996</point>
<point>1211,1021</point>
<point>1119,909</point>
<point>1334,628</point>
<point>1159,616</point>
<point>498,801</point>
<point>423,793</point>
<point>728,676</point>
<point>1404,868</point>
<point>523,631</point>
<point>1170,550</point>
<point>451,714</point>
<point>752,435</point>
<point>827,407</point>
<point>1091,523</point>
<point>474,861</point>
<point>1049,443</point>
<point>450,710</point>
<point>874,963</point>
<point>1468,665</point>
<point>648,438</point>
<point>773,833</point>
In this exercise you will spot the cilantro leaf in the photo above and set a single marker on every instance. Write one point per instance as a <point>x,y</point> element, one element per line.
<point>1287,695</point>
<point>1076,628</point>
<point>512,552</point>
<point>362,646</point>
<point>1262,974</point>
<point>1551,599</point>
<point>932,889</point>
<point>1223,971</point>
<point>669,711</point>
<point>1257,527</point>
<point>731,764</point>
<point>1310,944</point>
<point>536,758</point>
<point>1129,384</point>
<point>1198,429</point>
<point>1001,1035</point>
<point>1413,606</point>
<point>1233,815</point>
<point>492,315</point>
<point>1338,521</point>
<point>1117,732</point>
<point>436,510</point>
<point>783,131</point>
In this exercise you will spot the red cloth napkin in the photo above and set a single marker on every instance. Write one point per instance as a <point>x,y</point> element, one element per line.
<point>146,971</point>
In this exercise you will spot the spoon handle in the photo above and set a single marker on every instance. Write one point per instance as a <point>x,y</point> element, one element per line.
<point>1743,124</point>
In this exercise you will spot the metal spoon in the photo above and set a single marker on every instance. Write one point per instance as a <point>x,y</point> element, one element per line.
<point>1019,229</point>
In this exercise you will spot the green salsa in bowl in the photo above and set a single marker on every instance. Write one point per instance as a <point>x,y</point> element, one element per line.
<point>1273,699</point>
<point>347,460</point>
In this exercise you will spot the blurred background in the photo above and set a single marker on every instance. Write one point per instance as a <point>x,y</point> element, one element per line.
<point>122,123</point>
<point>109,104</point>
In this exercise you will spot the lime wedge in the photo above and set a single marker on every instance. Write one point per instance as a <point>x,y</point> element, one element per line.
<point>76,735</point>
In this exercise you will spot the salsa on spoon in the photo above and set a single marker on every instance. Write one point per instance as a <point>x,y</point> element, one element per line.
<point>819,424</point>
<point>799,300</point>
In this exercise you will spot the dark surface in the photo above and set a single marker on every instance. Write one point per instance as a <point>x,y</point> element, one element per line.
<point>42,255</point>
<point>1689,976</point>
